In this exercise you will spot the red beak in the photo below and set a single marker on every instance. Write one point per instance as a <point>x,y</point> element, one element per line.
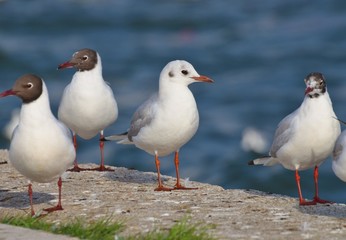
<point>308,89</point>
<point>66,65</point>
<point>203,79</point>
<point>7,93</point>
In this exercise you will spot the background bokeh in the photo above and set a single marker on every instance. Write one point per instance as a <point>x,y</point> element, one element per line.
<point>258,53</point>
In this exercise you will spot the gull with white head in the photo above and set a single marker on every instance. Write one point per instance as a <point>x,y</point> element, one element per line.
<point>167,120</point>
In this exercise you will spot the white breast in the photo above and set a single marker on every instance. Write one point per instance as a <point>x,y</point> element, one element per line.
<point>41,148</point>
<point>88,104</point>
<point>176,121</point>
<point>313,134</point>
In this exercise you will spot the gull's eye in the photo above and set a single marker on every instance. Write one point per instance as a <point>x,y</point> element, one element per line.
<point>29,85</point>
<point>85,57</point>
<point>185,72</point>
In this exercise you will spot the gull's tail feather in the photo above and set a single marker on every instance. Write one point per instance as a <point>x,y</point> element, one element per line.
<point>116,137</point>
<point>119,138</point>
<point>265,161</point>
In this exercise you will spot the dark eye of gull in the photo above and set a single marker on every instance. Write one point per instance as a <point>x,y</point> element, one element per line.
<point>30,85</point>
<point>185,72</point>
<point>85,57</point>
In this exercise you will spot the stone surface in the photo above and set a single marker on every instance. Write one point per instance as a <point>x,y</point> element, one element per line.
<point>129,196</point>
<point>8,232</point>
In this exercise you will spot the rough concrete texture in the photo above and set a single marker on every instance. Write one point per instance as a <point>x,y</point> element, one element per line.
<point>129,196</point>
<point>8,232</point>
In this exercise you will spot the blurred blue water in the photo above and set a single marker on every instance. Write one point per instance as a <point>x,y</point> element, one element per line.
<point>257,52</point>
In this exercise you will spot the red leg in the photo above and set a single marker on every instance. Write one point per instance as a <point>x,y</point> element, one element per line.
<point>75,168</point>
<point>30,198</point>
<point>178,186</point>
<point>59,206</point>
<point>102,167</point>
<point>160,187</point>
<point>302,201</point>
<point>316,198</point>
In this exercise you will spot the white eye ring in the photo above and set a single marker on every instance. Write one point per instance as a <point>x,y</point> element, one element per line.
<point>30,85</point>
<point>85,57</point>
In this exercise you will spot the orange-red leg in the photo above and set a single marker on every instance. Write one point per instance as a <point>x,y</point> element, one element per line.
<point>75,168</point>
<point>160,187</point>
<point>102,167</point>
<point>58,206</point>
<point>178,186</point>
<point>316,197</point>
<point>302,201</point>
<point>30,199</point>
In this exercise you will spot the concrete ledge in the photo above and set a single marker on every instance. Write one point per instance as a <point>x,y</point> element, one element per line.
<point>8,232</point>
<point>128,195</point>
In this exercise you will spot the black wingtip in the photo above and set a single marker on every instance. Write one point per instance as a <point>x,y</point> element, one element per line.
<point>251,162</point>
<point>124,133</point>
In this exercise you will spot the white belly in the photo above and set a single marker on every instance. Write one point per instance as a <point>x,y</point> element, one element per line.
<point>41,157</point>
<point>169,131</point>
<point>88,112</point>
<point>313,136</point>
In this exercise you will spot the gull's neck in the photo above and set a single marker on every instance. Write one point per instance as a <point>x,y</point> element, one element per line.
<point>37,111</point>
<point>169,90</point>
<point>92,75</point>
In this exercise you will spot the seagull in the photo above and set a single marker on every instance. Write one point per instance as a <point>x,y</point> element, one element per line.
<point>88,105</point>
<point>339,157</point>
<point>12,124</point>
<point>167,120</point>
<point>306,137</point>
<point>41,147</point>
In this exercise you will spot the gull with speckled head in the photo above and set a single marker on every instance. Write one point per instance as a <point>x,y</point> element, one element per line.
<point>167,120</point>
<point>306,137</point>
<point>88,105</point>
<point>41,147</point>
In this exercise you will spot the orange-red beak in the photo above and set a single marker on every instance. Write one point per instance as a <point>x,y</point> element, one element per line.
<point>7,93</point>
<point>203,79</point>
<point>66,65</point>
<point>308,89</point>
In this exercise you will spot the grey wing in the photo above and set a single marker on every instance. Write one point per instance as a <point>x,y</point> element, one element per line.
<point>283,134</point>
<point>143,116</point>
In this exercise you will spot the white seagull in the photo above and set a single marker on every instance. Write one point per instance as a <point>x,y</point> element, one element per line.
<point>306,137</point>
<point>41,147</point>
<point>167,120</point>
<point>88,105</point>
<point>339,157</point>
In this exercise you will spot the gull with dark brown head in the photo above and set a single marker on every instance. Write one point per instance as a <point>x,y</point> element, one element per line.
<point>167,120</point>
<point>306,137</point>
<point>88,105</point>
<point>41,147</point>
